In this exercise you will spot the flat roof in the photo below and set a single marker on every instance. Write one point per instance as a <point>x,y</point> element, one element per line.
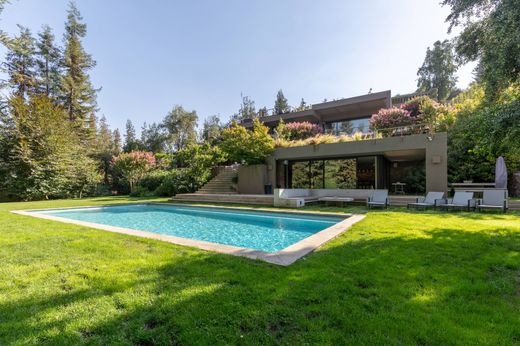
<point>344,109</point>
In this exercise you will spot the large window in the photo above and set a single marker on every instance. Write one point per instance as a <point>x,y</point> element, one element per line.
<point>340,174</point>
<point>307,175</point>
<point>349,127</point>
<point>351,173</point>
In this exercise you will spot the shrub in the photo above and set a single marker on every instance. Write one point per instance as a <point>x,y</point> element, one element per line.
<point>140,191</point>
<point>153,179</point>
<point>176,181</point>
<point>324,139</point>
<point>389,118</point>
<point>296,131</point>
<point>414,105</point>
<point>133,166</point>
<point>251,147</point>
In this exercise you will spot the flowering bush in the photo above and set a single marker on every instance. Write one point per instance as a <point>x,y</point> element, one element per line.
<point>296,131</point>
<point>415,105</point>
<point>390,117</point>
<point>133,166</point>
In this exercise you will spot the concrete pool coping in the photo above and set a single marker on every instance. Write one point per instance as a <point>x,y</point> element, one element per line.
<point>283,257</point>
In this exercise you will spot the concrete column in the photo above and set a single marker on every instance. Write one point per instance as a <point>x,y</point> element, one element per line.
<point>437,162</point>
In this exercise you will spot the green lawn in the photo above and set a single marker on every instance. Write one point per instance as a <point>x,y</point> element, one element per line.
<point>397,277</point>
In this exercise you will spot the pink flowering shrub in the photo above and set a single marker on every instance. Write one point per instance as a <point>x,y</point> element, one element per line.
<point>297,131</point>
<point>133,166</point>
<point>416,105</point>
<point>390,118</point>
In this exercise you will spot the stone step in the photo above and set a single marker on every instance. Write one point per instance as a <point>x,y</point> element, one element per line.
<point>226,198</point>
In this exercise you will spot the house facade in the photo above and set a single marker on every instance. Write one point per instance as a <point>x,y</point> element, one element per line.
<point>411,162</point>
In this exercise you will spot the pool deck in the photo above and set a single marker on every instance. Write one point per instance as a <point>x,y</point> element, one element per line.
<point>283,257</point>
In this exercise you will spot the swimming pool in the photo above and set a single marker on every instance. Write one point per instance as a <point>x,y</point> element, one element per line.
<point>234,230</point>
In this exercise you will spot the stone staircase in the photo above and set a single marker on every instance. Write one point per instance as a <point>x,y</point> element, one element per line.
<point>222,183</point>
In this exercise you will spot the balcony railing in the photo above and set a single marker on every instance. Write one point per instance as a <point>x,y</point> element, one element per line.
<point>383,132</point>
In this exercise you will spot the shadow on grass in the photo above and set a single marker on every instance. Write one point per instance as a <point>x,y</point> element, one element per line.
<point>440,287</point>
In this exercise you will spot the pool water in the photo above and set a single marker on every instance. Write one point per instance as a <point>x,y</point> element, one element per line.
<point>257,230</point>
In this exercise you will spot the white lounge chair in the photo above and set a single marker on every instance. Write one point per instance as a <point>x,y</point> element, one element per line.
<point>378,199</point>
<point>432,199</point>
<point>461,200</point>
<point>493,199</point>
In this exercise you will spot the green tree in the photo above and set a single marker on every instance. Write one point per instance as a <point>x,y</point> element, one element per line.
<point>281,105</point>
<point>153,138</point>
<point>131,141</point>
<point>133,166</point>
<point>104,149</point>
<point>211,129</point>
<point>117,141</point>
<point>40,155</point>
<point>197,161</point>
<point>263,112</point>
<point>247,109</point>
<point>482,132</point>
<point>180,126</point>
<point>251,147</point>
<point>48,70</point>
<point>20,64</point>
<point>490,35</point>
<point>303,105</point>
<point>78,95</point>
<point>438,70</point>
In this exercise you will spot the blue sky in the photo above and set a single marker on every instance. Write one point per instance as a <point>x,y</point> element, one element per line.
<point>152,55</point>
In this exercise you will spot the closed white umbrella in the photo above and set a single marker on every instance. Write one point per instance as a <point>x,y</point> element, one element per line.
<point>500,174</point>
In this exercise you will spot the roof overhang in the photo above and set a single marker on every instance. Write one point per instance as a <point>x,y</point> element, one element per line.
<point>340,110</point>
<point>353,107</point>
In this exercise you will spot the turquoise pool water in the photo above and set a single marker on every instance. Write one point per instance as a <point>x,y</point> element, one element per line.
<point>257,230</point>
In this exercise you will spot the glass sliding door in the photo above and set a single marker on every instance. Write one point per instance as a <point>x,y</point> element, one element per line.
<point>348,173</point>
<point>366,172</point>
<point>340,174</point>
<point>307,175</point>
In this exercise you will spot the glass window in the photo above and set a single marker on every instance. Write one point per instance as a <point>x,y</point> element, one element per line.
<point>307,175</point>
<point>349,127</point>
<point>340,174</point>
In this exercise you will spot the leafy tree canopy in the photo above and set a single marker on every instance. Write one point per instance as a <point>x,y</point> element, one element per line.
<point>490,35</point>
<point>438,70</point>
<point>242,145</point>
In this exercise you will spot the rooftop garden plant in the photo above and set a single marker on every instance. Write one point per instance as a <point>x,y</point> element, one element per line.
<point>297,130</point>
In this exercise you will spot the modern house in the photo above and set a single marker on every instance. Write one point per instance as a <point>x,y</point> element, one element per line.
<point>407,161</point>
<point>371,164</point>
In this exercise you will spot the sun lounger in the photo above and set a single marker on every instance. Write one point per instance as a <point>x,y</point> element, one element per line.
<point>378,199</point>
<point>493,200</point>
<point>432,199</point>
<point>461,200</point>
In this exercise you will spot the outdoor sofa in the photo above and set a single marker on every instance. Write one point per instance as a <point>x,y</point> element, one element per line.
<point>299,197</point>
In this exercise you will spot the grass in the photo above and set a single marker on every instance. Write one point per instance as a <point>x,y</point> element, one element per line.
<point>397,277</point>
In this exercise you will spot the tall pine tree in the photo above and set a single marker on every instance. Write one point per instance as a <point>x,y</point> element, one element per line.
<point>78,95</point>
<point>19,63</point>
<point>48,69</point>
<point>281,105</point>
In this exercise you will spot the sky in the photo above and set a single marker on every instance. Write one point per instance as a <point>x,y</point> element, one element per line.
<point>152,55</point>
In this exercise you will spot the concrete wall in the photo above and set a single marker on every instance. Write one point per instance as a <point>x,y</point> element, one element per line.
<point>251,179</point>
<point>437,163</point>
<point>434,149</point>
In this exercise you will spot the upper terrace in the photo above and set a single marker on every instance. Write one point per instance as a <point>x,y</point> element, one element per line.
<point>332,114</point>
